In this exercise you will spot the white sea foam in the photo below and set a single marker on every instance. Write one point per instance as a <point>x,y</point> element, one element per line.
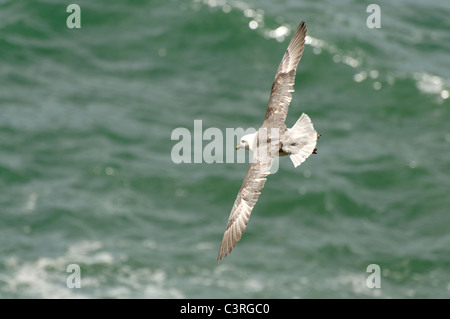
<point>46,277</point>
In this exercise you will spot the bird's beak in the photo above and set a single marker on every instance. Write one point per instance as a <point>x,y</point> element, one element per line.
<point>238,147</point>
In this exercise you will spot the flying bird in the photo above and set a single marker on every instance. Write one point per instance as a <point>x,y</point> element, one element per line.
<point>272,139</point>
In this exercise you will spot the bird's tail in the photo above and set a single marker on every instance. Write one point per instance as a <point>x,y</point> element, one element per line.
<point>300,140</point>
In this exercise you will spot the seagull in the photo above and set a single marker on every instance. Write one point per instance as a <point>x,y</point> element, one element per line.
<point>272,139</point>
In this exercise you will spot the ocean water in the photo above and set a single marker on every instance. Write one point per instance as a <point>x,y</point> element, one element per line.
<point>87,177</point>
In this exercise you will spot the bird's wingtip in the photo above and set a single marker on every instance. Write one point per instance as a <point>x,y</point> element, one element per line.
<point>220,257</point>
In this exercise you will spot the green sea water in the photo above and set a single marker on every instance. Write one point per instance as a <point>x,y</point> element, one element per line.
<point>87,178</point>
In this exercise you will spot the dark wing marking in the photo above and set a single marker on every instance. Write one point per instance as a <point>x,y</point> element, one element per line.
<point>280,96</point>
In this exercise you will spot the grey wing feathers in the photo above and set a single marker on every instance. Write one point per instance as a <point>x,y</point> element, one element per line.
<point>243,205</point>
<point>283,85</point>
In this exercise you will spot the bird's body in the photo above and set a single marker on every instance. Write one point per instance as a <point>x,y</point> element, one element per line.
<point>272,139</point>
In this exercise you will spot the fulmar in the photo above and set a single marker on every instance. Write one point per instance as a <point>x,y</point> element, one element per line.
<point>272,139</point>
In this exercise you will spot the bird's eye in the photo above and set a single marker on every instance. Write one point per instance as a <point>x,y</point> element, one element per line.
<point>242,141</point>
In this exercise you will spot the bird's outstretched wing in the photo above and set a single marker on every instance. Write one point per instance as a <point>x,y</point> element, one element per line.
<point>245,201</point>
<point>283,85</point>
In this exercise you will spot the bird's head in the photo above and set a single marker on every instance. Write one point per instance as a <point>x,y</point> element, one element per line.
<point>246,142</point>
